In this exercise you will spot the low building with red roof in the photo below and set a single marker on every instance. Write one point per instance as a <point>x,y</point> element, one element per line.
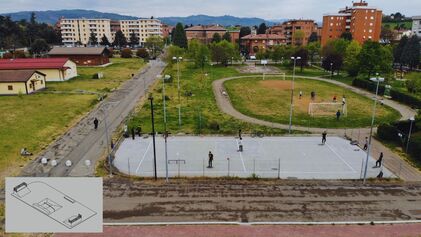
<point>264,42</point>
<point>15,82</point>
<point>204,33</point>
<point>55,69</point>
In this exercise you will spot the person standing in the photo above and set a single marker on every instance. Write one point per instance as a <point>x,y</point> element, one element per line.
<point>380,160</point>
<point>301,94</point>
<point>96,123</point>
<point>338,115</point>
<point>324,135</point>
<point>133,133</point>
<point>210,165</point>
<point>366,144</point>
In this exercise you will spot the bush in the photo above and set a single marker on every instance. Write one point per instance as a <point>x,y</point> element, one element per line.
<point>142,53</point>
<point>126,53</point>
<point>368,85</point>
<point>414,147</point>
<point>7,56</point>
<point>214,126</point>
<point>405,98</point>
<point>388,132</point>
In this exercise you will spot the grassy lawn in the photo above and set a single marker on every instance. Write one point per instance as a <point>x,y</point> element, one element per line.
<point>200,114</point>
<point>34,121</point>
<point>246,96</point>
<point>114,75</point>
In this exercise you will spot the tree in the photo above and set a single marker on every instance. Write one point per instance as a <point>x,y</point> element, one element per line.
<point>411,52</point>
<point>298,37</point>
<point>155,44</point>
<point>142,53</point>
<point>313,37</point>
<point>93,39</point>
<point>202,56</point>
<point>134,40</point>
<point>39,46</point>
<point>104,41</point>
<point>303,54</point>
<point>347,36</point>
<point>223,52</point>
<point>216,38</point>
<point>173,51</point>
<point>398,50</point>
<point>227,36</point>
<point>375,58</point>
<point>119,39</point>
<point>179,36</point>
<point>313,49</point>
<point>387,34</point>
<point>351,62</point>
<point>245,30</point>
<point>126,53</point>
<point>262,29</point>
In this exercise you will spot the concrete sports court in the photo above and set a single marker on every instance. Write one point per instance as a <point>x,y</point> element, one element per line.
<point>267,157</point>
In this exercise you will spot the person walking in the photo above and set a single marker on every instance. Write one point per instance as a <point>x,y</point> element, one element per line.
<point>133,133</point>
<point>96,123</point>
<point>338,115</point>
<point>210,165</point>
<point>301,94</point>
<point>324,135</point>
<point>380,160</point>
<point>366,144</point>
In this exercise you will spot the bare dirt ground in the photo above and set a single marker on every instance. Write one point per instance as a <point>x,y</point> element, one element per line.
<point>257,201</point>
<point>251,68</point>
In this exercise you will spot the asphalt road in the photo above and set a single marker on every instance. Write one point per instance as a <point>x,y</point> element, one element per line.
<point>82,142</point>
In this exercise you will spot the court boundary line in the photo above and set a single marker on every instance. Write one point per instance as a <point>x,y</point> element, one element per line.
<point>144,156</point>
<point>241,156</point>
<point>341,158</point>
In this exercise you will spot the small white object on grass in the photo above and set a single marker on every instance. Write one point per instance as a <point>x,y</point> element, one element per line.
<point>44,161</point>
<point>53,163</point>
<point>68,163</point>
<point>87,163</point>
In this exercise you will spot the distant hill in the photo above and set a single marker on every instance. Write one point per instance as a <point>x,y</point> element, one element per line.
<point>51,17</point>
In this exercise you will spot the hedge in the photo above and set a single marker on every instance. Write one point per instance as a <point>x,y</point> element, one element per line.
<point>397,95</point>
<point>388,132</point>
<point>414,148</point>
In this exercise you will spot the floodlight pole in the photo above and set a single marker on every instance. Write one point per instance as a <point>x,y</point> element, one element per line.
<point>412,119</point>
<point>331,71</point>
<point>166,157</point>
<point>153,137</point>
<point>292,93</point>
<point>178,59</point>
<point>371,129</point>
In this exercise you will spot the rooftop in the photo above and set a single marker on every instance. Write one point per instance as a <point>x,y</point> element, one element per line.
<point>263,36</point>
<point>206,28</point>
<point>77,51</point>
<point>17,76</point>
<point>33,63</point>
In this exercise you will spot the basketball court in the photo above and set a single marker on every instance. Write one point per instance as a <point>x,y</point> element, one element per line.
<point>266,157</point>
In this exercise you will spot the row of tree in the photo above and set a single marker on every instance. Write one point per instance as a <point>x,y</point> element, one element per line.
<point>407,52</point>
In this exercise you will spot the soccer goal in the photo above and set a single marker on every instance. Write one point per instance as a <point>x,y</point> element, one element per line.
<point>326,109</point>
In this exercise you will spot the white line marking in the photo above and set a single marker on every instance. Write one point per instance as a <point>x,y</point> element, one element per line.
<point>144,155</point>
<point>340,157</point>
<point>241,156</point>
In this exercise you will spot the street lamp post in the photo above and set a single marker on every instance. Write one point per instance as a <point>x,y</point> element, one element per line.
<point>378,80</point>
<point>153,137</point>
<point>292,93</point>
<point>331,70</point>
<point>412,119</point>
<point>178,59</point>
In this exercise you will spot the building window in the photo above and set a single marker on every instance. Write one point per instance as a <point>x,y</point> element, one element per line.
<point>10,87</point>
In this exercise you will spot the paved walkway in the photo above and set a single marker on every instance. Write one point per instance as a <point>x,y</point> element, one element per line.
<point>82,142</point>
<point>392,161</point>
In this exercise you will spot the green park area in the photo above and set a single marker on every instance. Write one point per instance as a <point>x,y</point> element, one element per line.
<point>34,121</point>
<point>270,100</point>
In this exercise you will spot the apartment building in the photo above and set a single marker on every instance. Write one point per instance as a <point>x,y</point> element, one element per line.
<point>364,23</point>
<point>204,33</point>
<point>143,28</point>
<point>416,25</point>
<point>79,30</point>
<point>256,43</point>
<point>290,28</point>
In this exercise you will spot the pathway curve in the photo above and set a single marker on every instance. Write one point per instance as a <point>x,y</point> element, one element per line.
<point>393,161</point>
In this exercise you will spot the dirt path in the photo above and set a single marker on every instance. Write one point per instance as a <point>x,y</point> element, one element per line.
<point>394,163</point>
<point>259,201</point>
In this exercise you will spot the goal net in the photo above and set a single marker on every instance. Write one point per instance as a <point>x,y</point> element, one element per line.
<point>326,109</point>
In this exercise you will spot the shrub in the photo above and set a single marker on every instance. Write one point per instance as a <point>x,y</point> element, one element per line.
<point>368,85</point>
<point>414,147</point>
<point>388,132</point>
<point>405,98</point>
<point>142,53</point>
<point>126,53</point>
<point>214,126</point>
<point>7,55</point>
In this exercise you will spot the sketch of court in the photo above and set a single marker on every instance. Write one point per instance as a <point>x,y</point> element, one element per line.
<point>267,157</point>
<point>53,203</point>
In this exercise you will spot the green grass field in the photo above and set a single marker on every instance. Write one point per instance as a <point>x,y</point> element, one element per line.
<point>247,96</point>
<point>34,121</point>
<point>200,114</point>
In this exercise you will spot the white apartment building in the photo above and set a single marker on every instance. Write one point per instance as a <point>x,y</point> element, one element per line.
<point>74,30</point>
<point>416,25</point>
<point>143,28</point>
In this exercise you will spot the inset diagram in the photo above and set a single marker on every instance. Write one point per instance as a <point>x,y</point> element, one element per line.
<point>53,203</point>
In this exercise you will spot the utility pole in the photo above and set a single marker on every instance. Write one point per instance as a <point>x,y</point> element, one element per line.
<point>153,137</point>
<point>292,94</point>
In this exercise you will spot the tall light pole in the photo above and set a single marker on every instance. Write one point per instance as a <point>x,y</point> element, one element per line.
<point>178,59</point>
<point>378,80</point>
<point>166,77</point>
<point>153,136</point>
<point>412,119</point>
<point>292,93</point>
<point>331,70</point>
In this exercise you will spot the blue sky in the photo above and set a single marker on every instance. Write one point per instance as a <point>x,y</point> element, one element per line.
<point>267,9</point>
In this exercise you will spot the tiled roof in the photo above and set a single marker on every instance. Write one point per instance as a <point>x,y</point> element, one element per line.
<point>33,63</point>
<point>77,51</point>
<point>206,28</point>
<point>17,75</point>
